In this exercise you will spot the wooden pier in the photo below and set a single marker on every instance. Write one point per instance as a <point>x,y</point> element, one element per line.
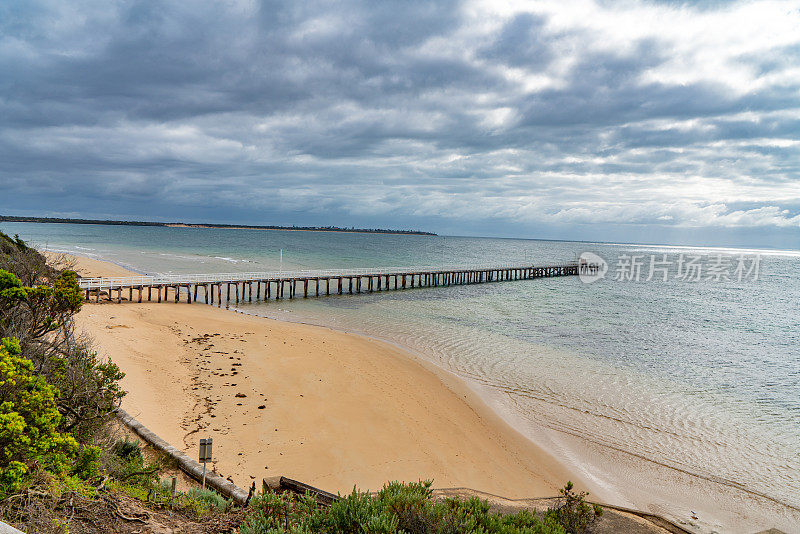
<point>235,288</point>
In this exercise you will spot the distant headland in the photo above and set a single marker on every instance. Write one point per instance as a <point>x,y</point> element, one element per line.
<point>58,220</point>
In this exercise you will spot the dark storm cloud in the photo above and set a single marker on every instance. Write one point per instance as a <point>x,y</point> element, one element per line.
<point>677,114</point>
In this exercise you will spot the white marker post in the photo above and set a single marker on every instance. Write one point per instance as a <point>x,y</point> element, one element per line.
<point>205,456</point>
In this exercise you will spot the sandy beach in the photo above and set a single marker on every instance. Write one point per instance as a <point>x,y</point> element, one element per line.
<point>332,409</point>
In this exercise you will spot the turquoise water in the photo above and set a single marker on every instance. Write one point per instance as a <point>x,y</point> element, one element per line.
<point>673,396</point>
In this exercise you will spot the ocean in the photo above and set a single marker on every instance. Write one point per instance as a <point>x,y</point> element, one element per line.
<point>672,385</point>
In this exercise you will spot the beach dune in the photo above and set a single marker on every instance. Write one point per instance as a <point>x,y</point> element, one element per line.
<point>332,409</point>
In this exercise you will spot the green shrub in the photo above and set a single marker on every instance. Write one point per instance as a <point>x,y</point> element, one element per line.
<point>127,450</point>
<point>208,499</point>
<point>87,465</point>
<point>29,422</point>
<point>126,463</point>
<point>360,512</point>
<point>272,512</point>
<point>398,507</point>
<point>574,513</point>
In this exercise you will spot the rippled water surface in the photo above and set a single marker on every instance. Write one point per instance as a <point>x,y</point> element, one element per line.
<point>677,396</point>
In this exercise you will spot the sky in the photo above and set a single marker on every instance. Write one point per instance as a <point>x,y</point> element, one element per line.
<point>661,122</point>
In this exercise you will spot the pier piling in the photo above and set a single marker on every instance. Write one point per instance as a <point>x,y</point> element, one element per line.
<point>376,280</point>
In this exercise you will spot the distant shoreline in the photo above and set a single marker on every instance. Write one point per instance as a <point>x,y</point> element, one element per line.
<point>56,220</point>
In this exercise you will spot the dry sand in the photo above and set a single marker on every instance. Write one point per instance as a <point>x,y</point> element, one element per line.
<point>328,408</point>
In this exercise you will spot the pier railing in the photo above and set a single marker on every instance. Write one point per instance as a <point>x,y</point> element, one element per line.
<point>239,286</point>
<point>182,279</point>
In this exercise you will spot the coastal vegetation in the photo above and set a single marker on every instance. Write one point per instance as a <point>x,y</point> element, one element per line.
<point>60,455</point>
<point>65,467</point>
<point>400,507</point>
<point>60,220</point>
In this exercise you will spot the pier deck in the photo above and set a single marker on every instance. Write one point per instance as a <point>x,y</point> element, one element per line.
<point>231,288</point>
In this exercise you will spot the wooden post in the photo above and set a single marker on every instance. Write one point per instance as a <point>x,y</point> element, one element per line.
<point>316,286</point>
<point>258,290</point>
<point>236,284</point>
<point>305,288</point>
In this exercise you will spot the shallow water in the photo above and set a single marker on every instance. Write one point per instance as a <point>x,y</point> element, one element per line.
<point>674,396</point>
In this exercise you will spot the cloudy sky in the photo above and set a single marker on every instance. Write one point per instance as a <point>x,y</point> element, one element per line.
<point>612,120</point>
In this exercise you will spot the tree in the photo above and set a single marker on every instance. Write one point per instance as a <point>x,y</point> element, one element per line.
<point>40,317</point>
<point>30,313</point>
<point>89,392</point>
